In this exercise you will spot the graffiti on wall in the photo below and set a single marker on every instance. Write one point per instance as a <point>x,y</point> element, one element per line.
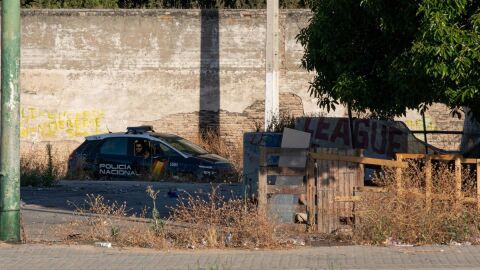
<point>41,124</point>
<point>417,124</point>
<point>377,137</point>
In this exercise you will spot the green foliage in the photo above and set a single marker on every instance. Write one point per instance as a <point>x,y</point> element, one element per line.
<point>157,222</point>
<point>147,4</point>
<point>389,56</point>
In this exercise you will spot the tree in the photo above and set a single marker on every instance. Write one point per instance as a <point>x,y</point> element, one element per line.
<point>389,56</point>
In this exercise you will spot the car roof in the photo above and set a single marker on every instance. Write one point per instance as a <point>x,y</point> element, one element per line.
<point>162,137</point>
<point>146,135</point>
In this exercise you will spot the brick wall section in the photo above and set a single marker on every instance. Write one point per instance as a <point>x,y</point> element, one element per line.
<point>231,125</point>
<point>443,120</point>
<point>438,117</point>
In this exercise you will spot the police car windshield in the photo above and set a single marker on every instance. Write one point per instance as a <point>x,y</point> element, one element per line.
<point>184,146</point>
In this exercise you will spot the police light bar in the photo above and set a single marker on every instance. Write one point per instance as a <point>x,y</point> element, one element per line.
<point>140,129</point>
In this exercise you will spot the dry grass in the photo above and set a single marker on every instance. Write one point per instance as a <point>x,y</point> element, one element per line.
<point>284,120</point>
<point>216,144</point>
<point>210,222</point>
<point>222,223</point>
<point>390,217</point>
<point>101,220</point>
<point>43,164</point>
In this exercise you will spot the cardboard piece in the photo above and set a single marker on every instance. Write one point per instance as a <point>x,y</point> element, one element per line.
<point>293,138</point>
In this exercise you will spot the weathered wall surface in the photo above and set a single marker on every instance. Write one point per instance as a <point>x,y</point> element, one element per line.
<point>85,72</point>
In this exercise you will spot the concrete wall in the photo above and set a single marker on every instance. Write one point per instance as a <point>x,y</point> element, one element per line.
<point>85,72</point>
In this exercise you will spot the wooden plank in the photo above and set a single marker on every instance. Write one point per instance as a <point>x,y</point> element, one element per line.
<point>328,211</point>
<point>323,174</point>
<point>286,151</point>
<point>285,171</point>
<point>361,160</point>
<point>411,156</point>
<point>398,176</point>
<point>277,189</point>
<point>454,157</point>
<point>262,159</point>
<point>353,178</point>
<point>310,194</point>
<point>458,180</point>
<point>339,181</point>
<point>444,157</point>
<point>360,171</point>
<point>330,178</point>
<point>262,190</point>
<point>428,183</point>
<point>333,211</point>
<point>322,184</point>
<point>347,198</point>
<point>478,184</point>
<point>320,211</point>
<point>325,216</point>
<point>371,189</point>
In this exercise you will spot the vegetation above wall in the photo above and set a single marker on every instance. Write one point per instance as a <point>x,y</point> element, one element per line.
<point>180,4</point>
<point>389,56</point>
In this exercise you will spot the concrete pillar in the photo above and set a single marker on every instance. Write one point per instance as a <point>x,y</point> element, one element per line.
<point>272,63</point>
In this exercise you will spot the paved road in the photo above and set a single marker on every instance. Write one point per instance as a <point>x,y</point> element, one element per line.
<point>68,195</point>
<point>345,257</point>
<point>46,209</point>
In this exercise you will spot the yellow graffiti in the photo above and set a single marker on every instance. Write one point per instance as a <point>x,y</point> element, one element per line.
<point>417,124</point>
<point>46,124</point>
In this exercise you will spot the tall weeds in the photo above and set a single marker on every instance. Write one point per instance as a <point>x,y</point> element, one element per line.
<point>221,223</point>
<point>209,222</point>
<point>42,166</point>
<point>211,141</point>
<point>406,218</point>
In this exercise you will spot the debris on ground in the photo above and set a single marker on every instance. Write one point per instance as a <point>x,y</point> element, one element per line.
<point>390,242</point>
<point>103,244</point>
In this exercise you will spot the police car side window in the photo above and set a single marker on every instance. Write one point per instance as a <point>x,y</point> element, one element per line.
<point>114,146</point>
<point>163,151</point>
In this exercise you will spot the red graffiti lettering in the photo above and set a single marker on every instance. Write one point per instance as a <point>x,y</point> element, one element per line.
<point>341,131</point>
<point>306,128</point>
<point>361,135</point>
<point>392,144</point>
<point>321,126</point>
<point>374,142</point>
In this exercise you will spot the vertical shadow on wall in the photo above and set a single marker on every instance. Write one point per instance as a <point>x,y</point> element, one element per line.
<point>209,119</point>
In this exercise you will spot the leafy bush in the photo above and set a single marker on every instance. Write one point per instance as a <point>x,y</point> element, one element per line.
<point>148,4</point>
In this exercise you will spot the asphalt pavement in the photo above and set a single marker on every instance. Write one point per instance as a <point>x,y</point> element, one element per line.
<point>70,195</point>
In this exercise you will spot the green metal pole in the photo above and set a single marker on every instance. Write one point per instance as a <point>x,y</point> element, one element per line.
<point>10,123</point>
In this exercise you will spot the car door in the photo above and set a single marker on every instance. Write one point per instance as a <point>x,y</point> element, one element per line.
<point>113,160</point>
<point>140,154</point>
<point>166,162</point>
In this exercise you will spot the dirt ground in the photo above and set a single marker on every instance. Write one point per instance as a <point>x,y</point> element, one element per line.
<point>45,210</point>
